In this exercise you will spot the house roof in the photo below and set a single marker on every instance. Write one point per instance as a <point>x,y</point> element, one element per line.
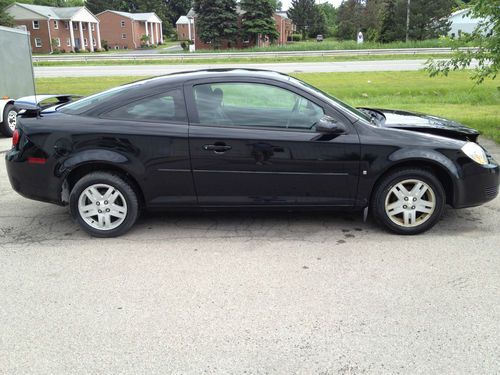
<point>192,13</point>
<point>143,17</point>
<point>183,20</point>
<point>54,13</point>
<point>461,12</point>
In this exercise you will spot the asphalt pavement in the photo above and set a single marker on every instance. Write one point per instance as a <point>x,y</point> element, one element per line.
<point>153,70</point>
<point>247,293</point>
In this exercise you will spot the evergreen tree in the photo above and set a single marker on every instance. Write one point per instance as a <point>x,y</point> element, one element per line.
<point>301,12</point>
<point>217,21</point>
<point>350,19</point>
<point>98,6</point>
<point>388,30</point>
<point>429,19</point>
<point>258,20</point>
<point>318,24</point>
<point>177,8</point>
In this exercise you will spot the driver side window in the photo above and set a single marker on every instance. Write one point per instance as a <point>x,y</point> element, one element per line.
<point>254,105</point>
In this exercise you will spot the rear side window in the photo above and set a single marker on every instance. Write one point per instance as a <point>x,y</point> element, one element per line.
<point>90,102</point>
<point>165,107</point>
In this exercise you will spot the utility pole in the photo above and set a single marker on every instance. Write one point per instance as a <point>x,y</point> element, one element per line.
<point>408,21</point>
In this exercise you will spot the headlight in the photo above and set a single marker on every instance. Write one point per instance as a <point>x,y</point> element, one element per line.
<point>475,152</point>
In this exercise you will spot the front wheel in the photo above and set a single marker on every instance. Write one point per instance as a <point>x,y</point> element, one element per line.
<point>408,201</point>
<point>9,122</point>
<point>104,204</point>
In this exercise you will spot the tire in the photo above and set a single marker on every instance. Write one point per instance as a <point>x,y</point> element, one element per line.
<point>8,125</point>
<point>104,204</point>
<point>408,201</point>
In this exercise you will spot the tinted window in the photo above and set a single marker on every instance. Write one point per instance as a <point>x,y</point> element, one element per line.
<point>85,104</point>
<point>165,107</point>
<point>254,105</point>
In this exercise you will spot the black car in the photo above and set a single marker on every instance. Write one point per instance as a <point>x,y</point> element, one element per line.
<point>244,139</point>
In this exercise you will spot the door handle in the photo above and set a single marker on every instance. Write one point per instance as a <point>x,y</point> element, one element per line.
<point>217,148</point>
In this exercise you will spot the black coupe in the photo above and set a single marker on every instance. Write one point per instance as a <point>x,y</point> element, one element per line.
<point>245,139</point>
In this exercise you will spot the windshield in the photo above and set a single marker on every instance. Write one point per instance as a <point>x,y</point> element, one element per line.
<point>83,105</point>
<point>353,110</point>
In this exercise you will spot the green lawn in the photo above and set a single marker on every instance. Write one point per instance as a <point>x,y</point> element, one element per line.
<point>455,97</point>
<point>332,44</point>
<point>245,60</point>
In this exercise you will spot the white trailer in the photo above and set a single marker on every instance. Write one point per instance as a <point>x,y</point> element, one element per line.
<point>16,75</point>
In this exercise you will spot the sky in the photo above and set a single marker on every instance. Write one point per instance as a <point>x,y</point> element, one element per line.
<point>286,3</point>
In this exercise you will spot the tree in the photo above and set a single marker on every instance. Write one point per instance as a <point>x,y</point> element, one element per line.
<point>318,24</point>
<point>349,19</point>
<point>98,6</point>
<point>330,17</point>
<point>5,19</point>
<point>486,37</point>
<point>177,8</point>
<point>258,20</point>
<point>388,31</point>
<point>217,21</point>
<point>429,19</point>
<point>277,5</point>
<point>301,12</point>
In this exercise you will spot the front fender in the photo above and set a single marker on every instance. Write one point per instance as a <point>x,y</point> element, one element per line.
<point>424,155</point>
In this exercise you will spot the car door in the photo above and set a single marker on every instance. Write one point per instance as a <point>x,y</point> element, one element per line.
<point>253,143</point>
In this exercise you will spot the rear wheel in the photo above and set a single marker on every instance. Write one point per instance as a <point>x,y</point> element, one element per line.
<point>9,123</point>
<point>104,204</point>
<point>408,201</point>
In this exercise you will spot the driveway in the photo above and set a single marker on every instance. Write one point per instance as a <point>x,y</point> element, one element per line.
<point>247,293</point>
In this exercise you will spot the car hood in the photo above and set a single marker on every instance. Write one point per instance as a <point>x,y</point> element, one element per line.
<point>426,124</point>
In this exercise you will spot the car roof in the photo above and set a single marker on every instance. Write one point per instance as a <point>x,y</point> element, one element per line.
<point>178,77</point>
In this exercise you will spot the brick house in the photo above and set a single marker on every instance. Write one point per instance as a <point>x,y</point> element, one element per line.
<point>123,30</point>
<point>52,28</point>
<point>186,30</point>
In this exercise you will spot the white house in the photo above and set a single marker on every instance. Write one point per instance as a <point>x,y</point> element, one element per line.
<point>462,22</point>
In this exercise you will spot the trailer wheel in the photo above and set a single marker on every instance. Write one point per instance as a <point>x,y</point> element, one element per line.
<point>9,123</point>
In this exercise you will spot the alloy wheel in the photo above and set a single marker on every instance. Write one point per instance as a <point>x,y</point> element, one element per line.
<point>410,203</point>
<point>102,207</point>
<point>12,120</point>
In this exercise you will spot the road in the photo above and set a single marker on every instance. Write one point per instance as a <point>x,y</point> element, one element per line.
<point>154,70</point>
<point>217,293</point>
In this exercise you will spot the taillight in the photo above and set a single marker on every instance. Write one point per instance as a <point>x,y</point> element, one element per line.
<point>15,138</point>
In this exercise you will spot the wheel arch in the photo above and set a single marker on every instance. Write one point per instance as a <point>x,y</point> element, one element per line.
<point>442,173</point>
<point>85,168</point>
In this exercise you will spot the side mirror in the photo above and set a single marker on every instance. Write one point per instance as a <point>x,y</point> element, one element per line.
<point>329,125</point>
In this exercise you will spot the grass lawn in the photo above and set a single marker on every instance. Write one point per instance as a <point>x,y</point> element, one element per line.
<point>455,97</point>
<point>332,44</point>
<point>245,60</point>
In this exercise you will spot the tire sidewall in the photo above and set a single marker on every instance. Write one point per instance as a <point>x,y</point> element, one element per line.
<point>4,126</point>
<point>119,184</point>
<point>393,179</point>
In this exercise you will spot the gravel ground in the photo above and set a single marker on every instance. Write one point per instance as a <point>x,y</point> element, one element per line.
<point>247,293</point>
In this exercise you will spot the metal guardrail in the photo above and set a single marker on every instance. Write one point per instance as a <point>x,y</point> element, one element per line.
<point>229,55</point>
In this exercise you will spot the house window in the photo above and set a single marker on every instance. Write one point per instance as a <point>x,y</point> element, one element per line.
<point>38,42</point>
<point>66,24</point>
<point>58,42</point>
<point>124,36</point>
<point>56,24</point>
<point>84,26</point>
<point>36,25</point>
<point>68,42</point>
<point>85,41</point>
<point>94,43</point>
<point>92,26</point>
<point>75,26</point>
<point>122,23</point>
